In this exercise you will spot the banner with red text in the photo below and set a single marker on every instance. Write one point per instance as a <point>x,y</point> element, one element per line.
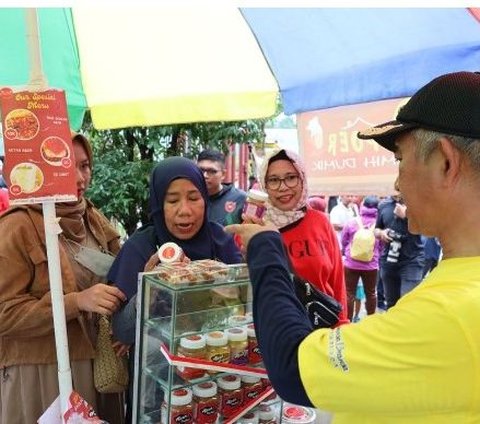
<point>337,161</point>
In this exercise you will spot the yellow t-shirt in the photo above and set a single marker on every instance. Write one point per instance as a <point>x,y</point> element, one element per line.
<point>417,363</point>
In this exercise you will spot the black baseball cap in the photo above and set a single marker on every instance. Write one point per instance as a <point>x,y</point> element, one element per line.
<point>448,104</point>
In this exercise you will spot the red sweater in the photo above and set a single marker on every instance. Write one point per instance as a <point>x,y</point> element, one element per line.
<point>312,247</point>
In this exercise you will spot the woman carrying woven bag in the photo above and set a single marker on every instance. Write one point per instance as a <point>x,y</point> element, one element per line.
<point>110,371</point>
<point>29,382</point>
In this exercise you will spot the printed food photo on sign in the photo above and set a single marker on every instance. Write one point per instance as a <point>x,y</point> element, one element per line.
<point>54,150</point>
<point>22,124</point>
<point>25,178</point>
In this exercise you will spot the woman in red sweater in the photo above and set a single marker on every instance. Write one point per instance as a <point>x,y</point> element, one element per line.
<point>308,236</point>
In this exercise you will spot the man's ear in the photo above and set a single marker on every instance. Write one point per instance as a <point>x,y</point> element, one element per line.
<point>450,161</point>
<point>224,174</point>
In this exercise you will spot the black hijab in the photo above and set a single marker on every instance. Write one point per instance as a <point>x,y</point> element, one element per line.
<point>201,245</point>
<point>211,241</point>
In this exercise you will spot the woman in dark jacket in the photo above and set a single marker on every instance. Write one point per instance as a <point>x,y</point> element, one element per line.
<point>178,200</point>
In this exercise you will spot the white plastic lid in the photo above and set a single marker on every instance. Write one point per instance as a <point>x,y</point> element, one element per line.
<point>265,412</point>
<point>251,417</point>
<point>170,252</point>
<point>238,320</point>
<point>180,397</point>
<point>217,338</point>
<point>296,414</point>
<point>250,330</point>
<point>196,341</point>
<point>229,382</point>
<point>237,334</point>
<point>205,390</point>
<point>258,195</point>
<point>250,379</point>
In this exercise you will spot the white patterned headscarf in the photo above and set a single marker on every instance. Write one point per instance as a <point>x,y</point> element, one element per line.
<point>276,216</point>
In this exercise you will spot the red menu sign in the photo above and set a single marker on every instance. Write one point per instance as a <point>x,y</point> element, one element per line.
<point>39,162</point>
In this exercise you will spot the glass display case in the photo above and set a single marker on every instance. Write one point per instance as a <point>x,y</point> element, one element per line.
<point>196,357</point>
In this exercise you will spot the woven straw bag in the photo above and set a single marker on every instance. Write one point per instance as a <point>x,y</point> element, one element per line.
<point>110,372</point>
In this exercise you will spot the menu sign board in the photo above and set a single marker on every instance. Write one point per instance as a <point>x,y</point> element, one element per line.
<point>39,161</point>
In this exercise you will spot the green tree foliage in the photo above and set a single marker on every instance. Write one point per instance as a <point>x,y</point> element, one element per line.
<point>125,157</point>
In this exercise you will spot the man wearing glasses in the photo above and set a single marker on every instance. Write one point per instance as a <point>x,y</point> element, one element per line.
<point>226,201</point>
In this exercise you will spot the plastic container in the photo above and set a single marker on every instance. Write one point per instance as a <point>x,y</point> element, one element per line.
<point>205,403</point>
<point>266,415</point>
<point>230,393</point>
<point>255,203</point>
<point>218,349</point>
<point>254,355</point>
<point>238,320</point>
<point>296,414</point>
<point>252,387</point>
<point>192,347</point>
<point>251,417</point>
<point>170,252</point>
<point>238,342</point>
<point>181,407</point>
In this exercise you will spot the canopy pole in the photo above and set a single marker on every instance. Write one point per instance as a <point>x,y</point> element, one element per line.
<point>38,82</point>
<point>58,307</point>
<point>37,78</point>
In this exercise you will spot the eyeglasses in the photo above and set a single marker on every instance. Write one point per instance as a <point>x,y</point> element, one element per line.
<point>290,181</point>
<point>209,171</point>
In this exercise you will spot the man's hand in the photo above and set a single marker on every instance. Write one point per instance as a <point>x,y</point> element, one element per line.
<point>400,210</point>
<point>247,231</point>
<point>383,235</point>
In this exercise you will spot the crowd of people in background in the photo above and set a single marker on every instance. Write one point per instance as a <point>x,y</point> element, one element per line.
<point>400,261</point>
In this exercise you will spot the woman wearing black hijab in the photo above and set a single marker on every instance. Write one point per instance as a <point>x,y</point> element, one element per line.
<point>208,241</point>
<point>178,203</point>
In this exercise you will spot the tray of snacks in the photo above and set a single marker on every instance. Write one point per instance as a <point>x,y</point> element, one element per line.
<point>199,272</point>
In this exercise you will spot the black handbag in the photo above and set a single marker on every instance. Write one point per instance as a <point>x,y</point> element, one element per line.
<point>322,309</point>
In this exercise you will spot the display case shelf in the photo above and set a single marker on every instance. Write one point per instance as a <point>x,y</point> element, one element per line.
<point>168,312</point>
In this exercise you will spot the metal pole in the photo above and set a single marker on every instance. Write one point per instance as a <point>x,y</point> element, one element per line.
<point>58,306</point>
<point>37,78</point>
<point>38,82</point>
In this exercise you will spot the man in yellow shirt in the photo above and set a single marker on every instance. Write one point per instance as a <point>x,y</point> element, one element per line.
<point>420,361</point>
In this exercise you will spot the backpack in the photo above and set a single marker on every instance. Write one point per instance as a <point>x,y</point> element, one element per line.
<point>363,244</point>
